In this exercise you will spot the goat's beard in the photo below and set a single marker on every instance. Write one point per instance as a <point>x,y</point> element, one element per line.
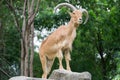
<point>77,24</point>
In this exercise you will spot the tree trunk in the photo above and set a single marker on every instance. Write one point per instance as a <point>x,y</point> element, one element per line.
<point>22,58</point>
<point>23,43</point>
<point>32,50</point>
<point>0,45</point>
<point>101,53</point>
<point>1,38</point>
<point>27,55</point>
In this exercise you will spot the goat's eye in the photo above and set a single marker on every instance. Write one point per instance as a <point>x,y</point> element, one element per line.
<point>73,13</point>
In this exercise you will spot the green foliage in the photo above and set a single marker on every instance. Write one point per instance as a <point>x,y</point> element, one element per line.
<point>10,55</point>
<point>37,68</point>
<point>101,32</point>
<point>12,45</point>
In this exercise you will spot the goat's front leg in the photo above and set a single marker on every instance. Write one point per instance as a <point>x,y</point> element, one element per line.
<point>60,57</point>
<point>67,58</point>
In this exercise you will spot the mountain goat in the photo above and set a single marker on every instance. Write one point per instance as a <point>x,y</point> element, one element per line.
<point>60,41</point>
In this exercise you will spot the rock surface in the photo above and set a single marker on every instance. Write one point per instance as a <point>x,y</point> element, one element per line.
<point>59,75</point>
<point>26,78</point>
<point>67,75</point>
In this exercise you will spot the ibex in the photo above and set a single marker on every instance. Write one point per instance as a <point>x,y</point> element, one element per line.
<point>60,41</point>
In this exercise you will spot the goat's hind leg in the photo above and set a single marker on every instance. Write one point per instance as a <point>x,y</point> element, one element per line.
<point>49,64</point>
<point>67,59</point>
<point>44,66</point>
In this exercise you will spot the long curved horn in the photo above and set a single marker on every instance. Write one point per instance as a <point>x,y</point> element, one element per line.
<point>64,4</point>
<point>87,16</point>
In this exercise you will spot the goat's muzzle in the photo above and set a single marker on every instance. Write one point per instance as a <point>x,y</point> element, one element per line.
<point>80,21</point>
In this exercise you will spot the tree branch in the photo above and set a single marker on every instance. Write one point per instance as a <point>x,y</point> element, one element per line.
<point>15,16</point>
<point>33,15</point>
<point>24,19</point>
<point>5,72</point>
<point>32,5</point>
<point>28,5</point>
<point>24,8</point>
<point>37,7</point>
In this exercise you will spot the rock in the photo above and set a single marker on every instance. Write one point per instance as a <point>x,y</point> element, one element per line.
<point>68,75</point>
<point>26,78</point>
<point>59,75</point>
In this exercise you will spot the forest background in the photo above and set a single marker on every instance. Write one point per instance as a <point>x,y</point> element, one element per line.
<point>96,48</point>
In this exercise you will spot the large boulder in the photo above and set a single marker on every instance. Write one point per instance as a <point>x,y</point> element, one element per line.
<point>68,75</point>
<point>59,75</point>
<point>26,78</point>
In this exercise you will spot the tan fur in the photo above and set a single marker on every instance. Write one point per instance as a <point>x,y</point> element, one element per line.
<point>58,42</point>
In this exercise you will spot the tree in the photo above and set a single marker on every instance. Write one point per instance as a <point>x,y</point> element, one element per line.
<point>26,33</point>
